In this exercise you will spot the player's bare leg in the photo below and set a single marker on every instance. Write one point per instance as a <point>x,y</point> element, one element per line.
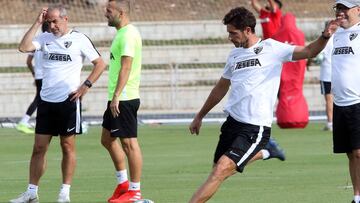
<point>224,168</point>
<point>68,163</point>
<point>112,145</point>
<point>354,169</point>
<point>133,153</point>
<point>38,158</point>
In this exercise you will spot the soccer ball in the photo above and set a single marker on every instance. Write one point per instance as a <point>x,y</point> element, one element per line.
<point>144,201</point>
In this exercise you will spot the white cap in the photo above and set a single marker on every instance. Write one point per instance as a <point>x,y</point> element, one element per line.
<point>348,3</point>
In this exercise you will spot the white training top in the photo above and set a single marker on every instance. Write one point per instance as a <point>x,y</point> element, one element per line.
<point>346,66</point>
<point>62,62</point>
<point>37,56</point>
<point>325,65</point>
<point>254,74</point>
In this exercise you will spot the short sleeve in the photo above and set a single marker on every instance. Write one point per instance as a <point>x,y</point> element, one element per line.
<point>38,41</point>
<point>227,70</point>
<point>283,51</point>
<point>88,49</point>
<point>128,48</point>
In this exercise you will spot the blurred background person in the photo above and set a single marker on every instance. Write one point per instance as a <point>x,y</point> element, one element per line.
<point>36,71</point>
<point>270,16</point>
<point>324,58</point>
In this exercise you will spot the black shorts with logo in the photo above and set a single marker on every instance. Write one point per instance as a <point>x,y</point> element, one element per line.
<point>325,87</point>
<point>346,128</point>
<point>63,118</point>
<point>241,141</point>
<point>125,125</point>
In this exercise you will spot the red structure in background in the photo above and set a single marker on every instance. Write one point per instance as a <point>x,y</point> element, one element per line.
<point>292,110</point>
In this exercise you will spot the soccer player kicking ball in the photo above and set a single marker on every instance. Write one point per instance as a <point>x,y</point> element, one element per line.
<point>253,71</point>
<point>120,117</point>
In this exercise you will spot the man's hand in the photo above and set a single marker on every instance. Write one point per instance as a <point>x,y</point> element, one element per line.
<point>41,17</point>
<point>81,91</point>
<point>331,28</point>
<point>114,106</point>
<point>195,125</point>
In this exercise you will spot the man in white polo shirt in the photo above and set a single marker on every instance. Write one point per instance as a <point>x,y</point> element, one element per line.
<point>345,84</point>
<point>58,112</point>
<point>253,71</point>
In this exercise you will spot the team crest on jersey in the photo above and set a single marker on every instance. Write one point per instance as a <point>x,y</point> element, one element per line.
<point>352,36</point>
<point>257,50</point>
<point>67,44</point>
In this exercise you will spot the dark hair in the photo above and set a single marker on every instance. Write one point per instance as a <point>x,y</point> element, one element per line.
<point>45,27</point>
<point>278,3</point>
<point>240,18</point>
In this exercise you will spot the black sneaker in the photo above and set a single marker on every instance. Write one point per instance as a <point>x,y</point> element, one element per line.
<point>274,150</point>
<point>353,201</point>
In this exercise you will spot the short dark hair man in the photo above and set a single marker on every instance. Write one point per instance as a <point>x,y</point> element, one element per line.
<point>120,117</point>
<point>253,71</point>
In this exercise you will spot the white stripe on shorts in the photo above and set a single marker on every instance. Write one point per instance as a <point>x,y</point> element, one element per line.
<point>78,117</point>
<point>252,147</point>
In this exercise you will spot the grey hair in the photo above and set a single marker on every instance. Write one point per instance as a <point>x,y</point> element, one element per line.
<point>60,8</point>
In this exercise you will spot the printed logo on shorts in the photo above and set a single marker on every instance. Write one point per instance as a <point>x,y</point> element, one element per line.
<point>113,130</point>
<point>70,129</point>
<point>233,153</point>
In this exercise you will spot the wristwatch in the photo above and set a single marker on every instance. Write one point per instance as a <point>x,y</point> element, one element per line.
<point>88,83</point>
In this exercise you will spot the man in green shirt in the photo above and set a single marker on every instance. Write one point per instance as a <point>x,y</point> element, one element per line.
<point>120,117</point>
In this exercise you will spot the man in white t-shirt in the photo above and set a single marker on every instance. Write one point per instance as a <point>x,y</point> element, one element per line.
<point>345,83</point>
<point>64,51</point>
<point>253,71</point>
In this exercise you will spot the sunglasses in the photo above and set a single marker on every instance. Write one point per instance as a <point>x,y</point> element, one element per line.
<point>341,8</point>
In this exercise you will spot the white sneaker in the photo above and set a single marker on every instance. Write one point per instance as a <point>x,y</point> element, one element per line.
<point>328,128</point>
<point>26,198</point>
<point>63,198</point>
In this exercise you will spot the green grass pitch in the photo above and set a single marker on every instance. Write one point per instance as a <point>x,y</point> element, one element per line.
<point>176,163</point>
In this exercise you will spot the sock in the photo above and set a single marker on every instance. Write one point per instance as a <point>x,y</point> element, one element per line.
<point>357,198</point>
<point>134,186</point>
<point>65,189</point>
<point>265,153</point>
<point>329,124</point>
<point>121,176</point>
<point>25,119</point>
<point>32,189</point>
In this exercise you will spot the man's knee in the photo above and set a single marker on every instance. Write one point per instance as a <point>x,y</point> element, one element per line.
<point>67,146</point>
<point>224,168</point>
<point>129,144</point>
<point>356,154</point>
<point>39,149</point>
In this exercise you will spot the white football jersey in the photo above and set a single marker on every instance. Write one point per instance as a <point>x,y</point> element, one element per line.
<point>37,57</point>
<point>254,74</point>
<point>62,63</point>
<point>346,66</point>
<point>325,65</point>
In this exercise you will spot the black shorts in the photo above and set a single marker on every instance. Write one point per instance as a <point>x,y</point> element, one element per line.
<point>346,128</point>
<point>63,118</point>
<point>325,87</point>
<point>240,141</point>
<point>125,125</point>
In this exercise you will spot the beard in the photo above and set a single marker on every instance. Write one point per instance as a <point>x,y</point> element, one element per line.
<point>114,22</point>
